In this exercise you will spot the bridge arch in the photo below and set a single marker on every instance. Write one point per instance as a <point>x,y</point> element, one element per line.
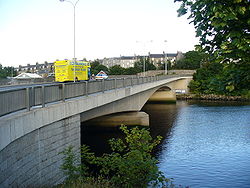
<point>163,94</point>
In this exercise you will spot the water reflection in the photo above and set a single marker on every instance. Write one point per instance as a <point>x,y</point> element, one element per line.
<point>205,144</point>
<point>161,121</point>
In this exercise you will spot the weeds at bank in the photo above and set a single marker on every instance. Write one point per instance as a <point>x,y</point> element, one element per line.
<point>212,97</point>
<point>129,165</point>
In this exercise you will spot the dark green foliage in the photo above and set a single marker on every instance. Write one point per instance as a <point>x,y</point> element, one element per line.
<point>7,71</point>
<point>129,165</point>
<point>222,25</point>
<point>161,65</point>
<point>192,60</point>
<point>97,67</point>
<point>223,29</point>
<point>131,71</point>
<point>138,67</point>
<point>70,165</point>
<point>148,66</point>
<point>88,182</point>
<point>116,70</point>
<point>224,79</point>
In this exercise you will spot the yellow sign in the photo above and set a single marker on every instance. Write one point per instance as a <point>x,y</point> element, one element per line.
<point>67,70</point>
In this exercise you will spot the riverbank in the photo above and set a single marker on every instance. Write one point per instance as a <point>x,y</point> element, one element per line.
<point>211,97</point>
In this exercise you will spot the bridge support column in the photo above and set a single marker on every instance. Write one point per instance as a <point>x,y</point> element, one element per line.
<point>116,120</point>
<point>33,160</point>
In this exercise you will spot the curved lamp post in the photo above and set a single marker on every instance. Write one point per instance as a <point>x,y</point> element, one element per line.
<point>144,58</point>
<point>74,5</point>
<point>166,61</point>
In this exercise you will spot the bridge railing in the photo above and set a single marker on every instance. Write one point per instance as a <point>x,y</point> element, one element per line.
<point>12,100</point>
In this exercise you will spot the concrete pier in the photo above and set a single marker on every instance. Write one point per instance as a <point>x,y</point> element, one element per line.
<point>34,160</point>
<point>116,120</point>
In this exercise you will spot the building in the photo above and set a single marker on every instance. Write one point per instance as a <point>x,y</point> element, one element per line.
<point>41,69</point>
<point>123,61</point>
<point>128,61</point>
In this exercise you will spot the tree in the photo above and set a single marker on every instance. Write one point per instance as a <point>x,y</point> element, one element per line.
<point>222,25</point>
<point>191,60</point>
<point>95,63</point>
<point>129,165</point>
<point>131,71</point>
<point>97,67</point>
<point>223,29</point>
<point>222,78</point>
<point>116,70</point>
<point>148,66</point>
<point>7,71</point>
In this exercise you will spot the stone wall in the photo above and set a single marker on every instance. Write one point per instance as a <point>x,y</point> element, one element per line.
<point>34,160</point>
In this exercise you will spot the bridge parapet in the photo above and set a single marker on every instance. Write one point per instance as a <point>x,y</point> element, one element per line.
<point>25,98</point>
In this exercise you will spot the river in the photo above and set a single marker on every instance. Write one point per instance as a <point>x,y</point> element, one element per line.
<point>205,144</point>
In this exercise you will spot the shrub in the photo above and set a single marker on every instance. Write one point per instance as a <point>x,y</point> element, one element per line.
<point>129,165</point>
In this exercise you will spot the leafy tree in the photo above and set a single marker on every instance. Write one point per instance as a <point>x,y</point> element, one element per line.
<point>7,71</point>
<point>203,77</point>
<point>95,63</point>
<point>129,165</point>
<point>131,71</point>
<point>223,29</point>
<point>191,60</point>
<point>70,165</point>
<point>148,66</point>
<point>116,70</point>
<point>222,78</point>
<point>222,25</point>
<point>97,67</point>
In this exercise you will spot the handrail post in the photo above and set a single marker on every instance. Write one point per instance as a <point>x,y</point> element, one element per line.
<point>32,96</point>
<point>43,96</point>
<point>86,88</point>
<point>63,92</point>
<point>115,83</point>
<point>103,86</point>
<point>28,99</point>
<point>123,82</point>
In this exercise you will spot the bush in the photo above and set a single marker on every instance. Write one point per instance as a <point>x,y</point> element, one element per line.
<point>129,165</point>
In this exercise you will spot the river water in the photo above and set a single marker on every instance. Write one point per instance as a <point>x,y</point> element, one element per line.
<point>205,144</point>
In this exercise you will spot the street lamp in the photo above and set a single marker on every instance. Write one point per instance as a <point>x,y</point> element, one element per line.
<point>166,63</point>
<point>74,5</point>
<point>144,58</point>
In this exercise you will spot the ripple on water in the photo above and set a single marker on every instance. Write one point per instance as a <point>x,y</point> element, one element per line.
<point>206,145</point>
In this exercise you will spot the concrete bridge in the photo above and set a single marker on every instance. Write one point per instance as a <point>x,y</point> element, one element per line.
<point>39,121</point>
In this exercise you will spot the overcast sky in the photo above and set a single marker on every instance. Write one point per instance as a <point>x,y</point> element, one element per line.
<point>42,30</point>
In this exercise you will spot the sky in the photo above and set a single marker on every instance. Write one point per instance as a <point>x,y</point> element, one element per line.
<point>42,30</point>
